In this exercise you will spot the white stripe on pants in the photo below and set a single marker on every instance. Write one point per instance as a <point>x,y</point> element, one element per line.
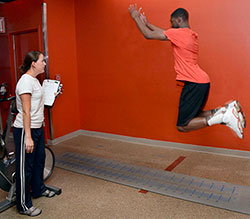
<point>22,171</point>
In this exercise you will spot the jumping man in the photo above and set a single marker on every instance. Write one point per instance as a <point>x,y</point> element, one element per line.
<point>196,82</point>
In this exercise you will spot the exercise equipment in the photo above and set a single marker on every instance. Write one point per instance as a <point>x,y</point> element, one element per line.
<point>7,156</point>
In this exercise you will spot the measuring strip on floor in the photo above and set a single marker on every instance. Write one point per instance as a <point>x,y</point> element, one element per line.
<point>204,191</point>
<point>169,168</point>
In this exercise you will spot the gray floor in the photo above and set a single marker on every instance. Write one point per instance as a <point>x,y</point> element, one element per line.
<point>200,190</point>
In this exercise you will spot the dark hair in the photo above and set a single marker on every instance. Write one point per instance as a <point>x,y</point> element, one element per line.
<point>32,56</point>
<point>180,12</point>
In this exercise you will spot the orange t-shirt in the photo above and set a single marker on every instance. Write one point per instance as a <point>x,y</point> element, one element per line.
<point>185,48</point>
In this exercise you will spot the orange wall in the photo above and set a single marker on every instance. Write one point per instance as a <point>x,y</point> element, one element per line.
<point>18,17</point>
<point>21,17</point>
<point>117,82</point>
<point>5,73</point>
<point>62,60</point>
<point>25,14</point>
<point>127,84</point>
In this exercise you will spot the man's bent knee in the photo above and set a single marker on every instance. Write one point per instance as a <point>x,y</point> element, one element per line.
<point>181,128</point>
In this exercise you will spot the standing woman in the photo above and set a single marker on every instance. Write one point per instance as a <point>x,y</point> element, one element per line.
<point>29,136</point>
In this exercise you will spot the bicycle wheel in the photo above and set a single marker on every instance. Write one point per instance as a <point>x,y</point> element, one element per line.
<point>49,163</point>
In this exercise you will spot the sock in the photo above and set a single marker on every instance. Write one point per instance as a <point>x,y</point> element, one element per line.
<point>216,118</point>
<point>217,111</point>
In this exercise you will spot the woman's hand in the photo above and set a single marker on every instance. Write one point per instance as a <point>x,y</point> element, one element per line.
<point>29,145</point>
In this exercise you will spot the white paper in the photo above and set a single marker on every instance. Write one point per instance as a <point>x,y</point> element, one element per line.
<point>50,87</point>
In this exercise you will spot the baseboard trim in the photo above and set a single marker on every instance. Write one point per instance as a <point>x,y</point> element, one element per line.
<point>64,137</point>
<point>155,143</point>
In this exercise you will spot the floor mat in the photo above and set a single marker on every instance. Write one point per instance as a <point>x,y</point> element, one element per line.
<point>195,189</point>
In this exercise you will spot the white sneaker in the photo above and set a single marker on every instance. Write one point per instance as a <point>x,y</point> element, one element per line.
<point>243,119</point>
<point>232,119</point>
<point>238,107</point>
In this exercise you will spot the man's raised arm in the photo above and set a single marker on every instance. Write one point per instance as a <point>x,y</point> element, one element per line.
<point>149,31</point>
<point>149,25</point>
